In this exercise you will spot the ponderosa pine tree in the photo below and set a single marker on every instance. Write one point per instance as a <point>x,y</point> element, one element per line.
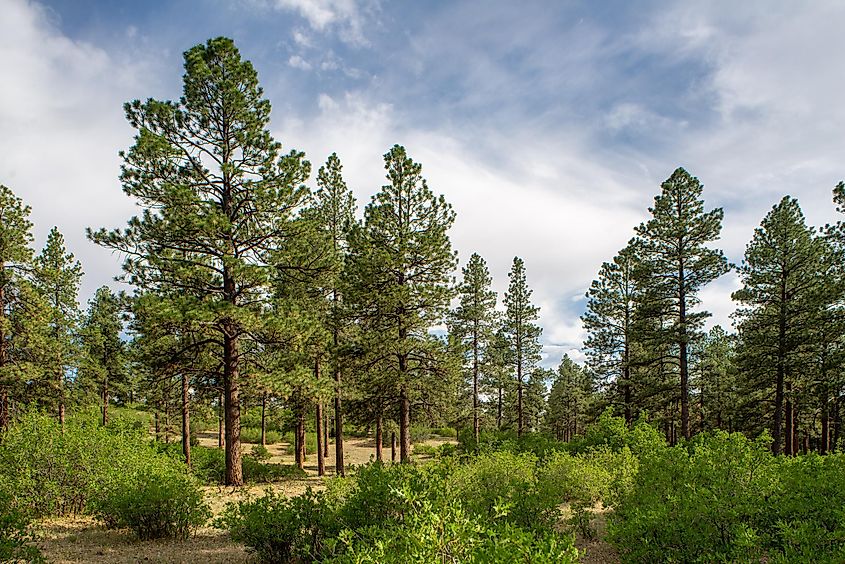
<point>474,322</point>
<point>521,332</point>
<point>569,398</point>
<point>678,264</point>
<point>716,381</point>
<point>15,255</point>
<point>399,280</point>
<point>334,210</point>
<point>609,321</point>
<point>218,197</point>
<point>778,307</point>
<point>57,276</point>
<point>103,365</point>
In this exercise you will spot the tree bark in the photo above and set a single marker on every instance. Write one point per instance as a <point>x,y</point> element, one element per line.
<point>326,433</point>
<point>186,422</point>
<point>4,393</point>
<point>231,373</point>
<point>393,446</point>
<point>220,423</point>
<point>264,419</point>
<point>378,438</point>
<point>781,370</point>
<point>404,426</point>
<point>476,427</point>
<point>338,425</point>
<point>157,427</point>
<point>299,442</point>
<point>790,420</point>
<point>321,461</point>
<point>106,400</point>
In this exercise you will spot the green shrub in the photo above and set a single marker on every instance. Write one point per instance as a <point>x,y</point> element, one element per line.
<point>419,433</point>
<point>612,433</point>
<point>157,502</point>
<point>17,543</point>
<point>281,529</point>
<point>55,471</point>
<point>256,471</point>
<point>253,435</point>
<point>451,534</point>
<point>503,483</point>
<point>260,453</point>
<point>310,442</point>
<point>447,432</point>
<point>704,501</point>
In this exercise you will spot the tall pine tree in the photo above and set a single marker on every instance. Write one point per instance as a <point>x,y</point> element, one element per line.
<point>474,322</point>
<point>521,332</point>
<point>217,197</point>
<point>401,268</point>
<point>678,264</point>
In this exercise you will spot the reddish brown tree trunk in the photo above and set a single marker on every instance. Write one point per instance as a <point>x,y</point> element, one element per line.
<point>264,419</point>
<point>186,422</point>
<point>220,424</point>
<point>393,446</point>
<point>404,426</point>
<point>299,444</point>
<point>231,385</point>
<point>790,420</point>
<point>379,439</point>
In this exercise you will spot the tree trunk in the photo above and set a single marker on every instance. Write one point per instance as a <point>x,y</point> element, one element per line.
<point>393,446</point>
<point>378,438</point>
<point>299,443</point>
<point>790,420</point>
<point>338,425</point>
<point>499,410</point>
<point>157,426</point>
<point>626,390</point>
<point>264,419</point>
<point>220,423</point>
<point>321,453</point>
<point>326,433</point>
<point>106,400</point>
<point>166,422</point>
<point>476,427</point>
<point>61,399</point>
<point>404,426</point>
<point>4,393</point>
<point>318,429</point>
<point>231,373</point>
<point>519,397</point>
<point>781,371</point>
<point>186,421</point>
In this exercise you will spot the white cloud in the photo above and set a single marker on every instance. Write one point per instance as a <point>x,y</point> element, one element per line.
<point>349,17</point>
<point>62,122</point>
<point>298,62</point>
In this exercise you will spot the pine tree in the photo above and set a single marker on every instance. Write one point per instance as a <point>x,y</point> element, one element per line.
<point>334,210</point>
<point>522,334</point>
<point>401,265</point>
<point>15,255</point>
<point>57,276</point>
<point>716,380</point>
<point>609,322</point>
<point>569,399</point>
<point>778,308</point>
<point>103,366</point>
<point>474,322</point>
<point>678,264</point>
<point>218,198</point>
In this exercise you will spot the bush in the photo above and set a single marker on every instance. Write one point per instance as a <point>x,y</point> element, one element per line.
<point>419,433</point>
<point>158,502</point>
<point>55,471</point>
<point>447,432</point>
<point>612,433</point>
<point>703,500</point>
<point>16,538</point>
<point>281,529</point>
<point>260,453</point>
<point>503,483</point>
<point>253,435</point>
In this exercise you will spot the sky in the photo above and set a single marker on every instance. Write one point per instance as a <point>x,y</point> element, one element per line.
<point>548,126</point>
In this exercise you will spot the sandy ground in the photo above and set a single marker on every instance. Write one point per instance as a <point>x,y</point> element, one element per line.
<point>82,539</point>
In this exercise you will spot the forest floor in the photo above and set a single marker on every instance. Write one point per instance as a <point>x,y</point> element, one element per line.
<point>82,539</point>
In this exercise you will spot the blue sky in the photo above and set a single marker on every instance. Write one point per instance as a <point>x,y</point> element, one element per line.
<point>548,125</point>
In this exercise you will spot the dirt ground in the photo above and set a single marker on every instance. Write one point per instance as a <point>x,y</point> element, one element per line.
<point>83,540</point>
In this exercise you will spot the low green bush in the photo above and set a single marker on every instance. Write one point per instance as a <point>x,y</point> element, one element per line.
<point>282,529</point>
<point>723,497</point>
<point>253,435</point>
<point>17,542</point>
<point>613,433</point>
<point>260,453</point>
<point>154,502</point>
<point>447,432</point>
<point>56,471</point>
